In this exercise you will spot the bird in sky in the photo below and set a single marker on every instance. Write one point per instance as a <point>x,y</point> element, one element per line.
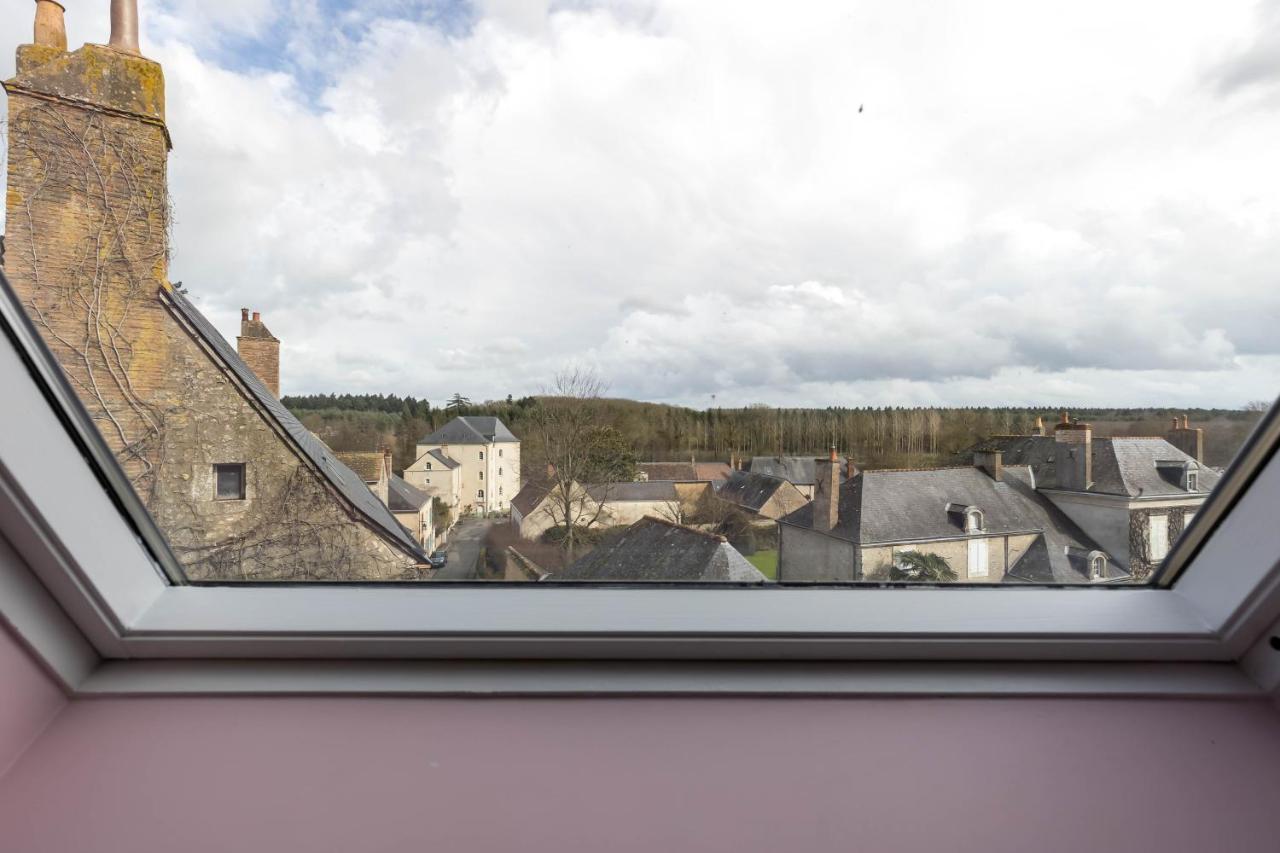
<point>859,107</point>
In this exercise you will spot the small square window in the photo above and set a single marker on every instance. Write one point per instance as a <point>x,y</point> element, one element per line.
<point>481,475</point>
<point>499,452</point>
<point>482,454</point>
<point>228,482</point>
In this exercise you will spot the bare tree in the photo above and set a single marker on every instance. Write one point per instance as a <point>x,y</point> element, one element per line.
<point>582,457</point>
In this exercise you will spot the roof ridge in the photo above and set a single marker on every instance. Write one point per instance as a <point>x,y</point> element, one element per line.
<point>714,536</point>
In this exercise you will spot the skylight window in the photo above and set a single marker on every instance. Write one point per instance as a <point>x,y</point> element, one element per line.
<point>260,447</point>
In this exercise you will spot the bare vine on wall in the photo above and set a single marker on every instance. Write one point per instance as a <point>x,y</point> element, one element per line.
<point>84,299</point>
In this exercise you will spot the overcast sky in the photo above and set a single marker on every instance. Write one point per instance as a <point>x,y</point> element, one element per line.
<point>803,203</point>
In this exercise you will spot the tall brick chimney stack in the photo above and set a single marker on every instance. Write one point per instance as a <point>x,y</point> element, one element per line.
<point>1074,456</point>
<point>826,495</point>
<point>259,349</point>
<point>88,152</point>
<point>1188,439</point>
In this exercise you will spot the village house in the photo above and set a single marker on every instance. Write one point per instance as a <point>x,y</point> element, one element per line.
<point>414,509</point>
<point>373,467</point>
<point>987,521</point>
<point>799,471</point>
<point>765,497</point>
<point>654,549</point>
<point>241,490</point>
<point>473,463</point>
<point>1132,495</point>
<point>537,508</point>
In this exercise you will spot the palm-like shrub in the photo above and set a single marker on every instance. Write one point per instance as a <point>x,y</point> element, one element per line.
<point>915,566</point>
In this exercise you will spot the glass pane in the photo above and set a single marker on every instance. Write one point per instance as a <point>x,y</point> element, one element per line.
<point>592,293</point>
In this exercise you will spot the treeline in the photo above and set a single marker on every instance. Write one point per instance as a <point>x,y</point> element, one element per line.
<point>875,436</point>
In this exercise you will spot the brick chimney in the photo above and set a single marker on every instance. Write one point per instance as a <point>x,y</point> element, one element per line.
<point>1073,460</point>
<point>88,152</point>
<point>259,349</point>
<point>1038,429</point>
<point>991,461</point>
<point>1188,439</point>
<point>826,496</point>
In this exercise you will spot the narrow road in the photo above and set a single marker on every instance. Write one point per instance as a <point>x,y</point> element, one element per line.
<point>464,549</point>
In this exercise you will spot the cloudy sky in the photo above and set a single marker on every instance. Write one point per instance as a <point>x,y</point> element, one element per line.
<point>835,203</point>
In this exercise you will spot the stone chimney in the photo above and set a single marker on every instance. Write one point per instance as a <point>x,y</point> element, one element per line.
<point>1038,429</point>
<point>1187,439</point>
<point>259,349</point>
<point>88,154</point>
<point>826,496</point>
<point>1073,457</point>
<point>991,461</point>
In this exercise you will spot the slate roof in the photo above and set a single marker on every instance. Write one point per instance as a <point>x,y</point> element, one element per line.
<point>529,496</point>
<point>471,430</point>
<point>800,470</point>
<point>404,497</point>
<point>367,464</point>
<point>656,550</point>
<point>1121,465</point>
<point>653,490</point>
<point>884,507</point>
<point>348,484</point>
<point>442,458</point>
<point>749,490</point>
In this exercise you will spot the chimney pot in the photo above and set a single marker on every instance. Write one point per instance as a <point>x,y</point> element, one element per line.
<point>257,317</point>
<point>850,468</point>
<point>834,457</point>
<point>244,315</point>
<point>1066,417</point>
<point>51,24</point>
<point>124,26</point>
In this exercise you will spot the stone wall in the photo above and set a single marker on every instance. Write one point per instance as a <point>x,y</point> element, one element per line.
<point>87,253</point>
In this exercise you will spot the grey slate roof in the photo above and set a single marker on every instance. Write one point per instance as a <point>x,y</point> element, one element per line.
<point>800,470</point>
<point>652,490</point>
<point>440,457</point>
<point>749,490</point>
<point>529,496</point>
<point>1121,465</point>
<point>656,550</point>
<point>883,507</point>
<point>405,497</point>
<point>471,430</point>
<point>346,481</point>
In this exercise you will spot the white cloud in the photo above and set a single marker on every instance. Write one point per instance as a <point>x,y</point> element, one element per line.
<point>1033,201</point>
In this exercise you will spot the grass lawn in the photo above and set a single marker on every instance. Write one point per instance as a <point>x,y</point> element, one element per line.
<point>766,562</point>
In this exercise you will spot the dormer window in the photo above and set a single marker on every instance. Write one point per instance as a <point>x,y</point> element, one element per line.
<point>1193,481</point>
<point>1097,566</point>
<point>973,522</point>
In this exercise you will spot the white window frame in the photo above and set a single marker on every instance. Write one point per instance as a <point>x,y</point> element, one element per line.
<point>1157,523</point>
<point>79,582</point>
<point>979,553</point>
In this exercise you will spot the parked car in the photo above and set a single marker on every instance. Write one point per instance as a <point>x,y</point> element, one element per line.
<point>439,559</point>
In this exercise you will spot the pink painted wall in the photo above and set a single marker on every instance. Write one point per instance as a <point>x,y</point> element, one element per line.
<point>647,775</point>
<point>28,700</point>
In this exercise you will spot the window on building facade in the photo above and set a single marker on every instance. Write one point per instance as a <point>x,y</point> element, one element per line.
<point>229,481</point>
<point>1191,481</point>
<point>1158,536</point>
<point>978,558</point>
<point>480,494</point>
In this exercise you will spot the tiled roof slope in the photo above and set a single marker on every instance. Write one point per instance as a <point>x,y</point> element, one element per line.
<point>653,490</point>
<point>405,497</point>
<point>749,489</point>
<point>800,470</point>
<point>1121,465</point>
<point>471,430</point>
<point>367,464</point>
<point>348,484</point>
<point>656,550</point>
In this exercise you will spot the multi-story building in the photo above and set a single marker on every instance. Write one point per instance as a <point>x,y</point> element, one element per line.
<point>472,462</point>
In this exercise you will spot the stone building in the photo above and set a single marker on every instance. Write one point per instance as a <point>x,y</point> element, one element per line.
<point>241,490</point>
<point>761,495</point>
<point>486,456</point>
<point>987,521</point>
<point>1133,495</point>
<point>799,471</point>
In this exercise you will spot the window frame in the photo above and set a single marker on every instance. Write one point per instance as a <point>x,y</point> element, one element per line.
<point>115,580</point>
<point>241,470</point>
